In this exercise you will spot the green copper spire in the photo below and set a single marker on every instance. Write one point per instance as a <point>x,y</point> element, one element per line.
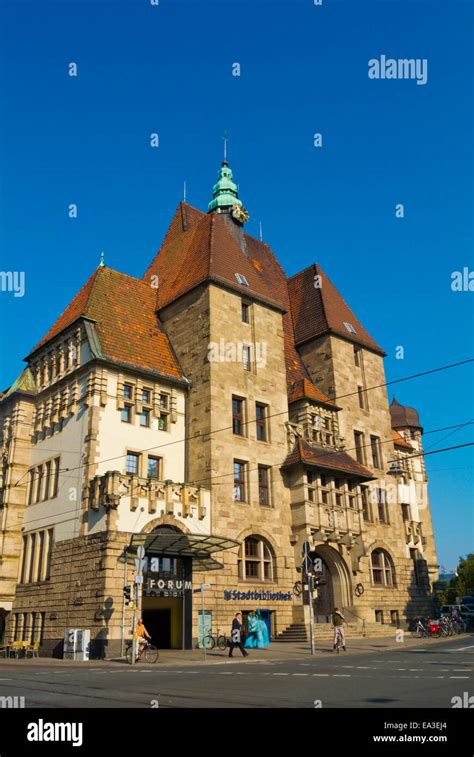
<point>224,193</point>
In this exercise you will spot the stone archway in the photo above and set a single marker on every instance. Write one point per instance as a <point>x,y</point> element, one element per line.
<point>337,590</point>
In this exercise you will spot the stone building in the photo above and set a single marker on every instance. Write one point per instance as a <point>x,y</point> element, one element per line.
<point>220,414</point>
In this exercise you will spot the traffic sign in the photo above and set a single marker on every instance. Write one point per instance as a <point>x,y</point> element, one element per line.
<point>141,552</point>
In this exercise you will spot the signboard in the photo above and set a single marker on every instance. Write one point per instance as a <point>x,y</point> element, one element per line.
<point>257,595</point>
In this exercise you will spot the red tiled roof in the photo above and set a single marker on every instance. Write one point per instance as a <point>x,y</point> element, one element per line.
<point>129,331</point>
<point>306,389</point>
<point>200,247</point>
<point>318,310</point>
<point>399,441</point>
<point>324,458</point>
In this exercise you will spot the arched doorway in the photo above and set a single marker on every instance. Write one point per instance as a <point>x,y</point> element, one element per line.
<point>336,589</point>
<point>163,597</point>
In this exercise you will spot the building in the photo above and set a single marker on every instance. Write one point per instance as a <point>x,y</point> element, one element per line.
<point>220,414</point>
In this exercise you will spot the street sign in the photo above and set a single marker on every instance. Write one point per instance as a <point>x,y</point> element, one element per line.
<point>141,552</point>
<point>205,586</point>
<point>139,565</point>
<point>139,579</point>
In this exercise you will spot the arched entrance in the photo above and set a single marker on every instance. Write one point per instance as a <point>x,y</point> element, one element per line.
<point>335,590</point>
<point>163,597</point>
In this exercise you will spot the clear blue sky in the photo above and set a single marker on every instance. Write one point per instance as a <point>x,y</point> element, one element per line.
<point>168,69</point>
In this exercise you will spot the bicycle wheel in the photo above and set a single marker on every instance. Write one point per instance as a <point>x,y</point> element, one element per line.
<point>128,654</point>
<point>151,654</point>
<point>209,642</point>
<point>222,642</point>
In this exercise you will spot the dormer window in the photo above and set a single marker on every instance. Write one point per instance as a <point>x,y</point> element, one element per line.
<point>350,327</point>
<point>241,279</point>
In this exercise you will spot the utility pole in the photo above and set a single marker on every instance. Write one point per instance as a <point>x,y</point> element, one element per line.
<point>138,582</point>
<point>308,576</point>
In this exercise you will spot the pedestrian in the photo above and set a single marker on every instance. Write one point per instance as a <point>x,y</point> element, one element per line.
<point>236,635</point>
<point>337,620</point>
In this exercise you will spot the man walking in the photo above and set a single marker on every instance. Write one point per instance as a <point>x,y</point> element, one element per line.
<point>236,635</point>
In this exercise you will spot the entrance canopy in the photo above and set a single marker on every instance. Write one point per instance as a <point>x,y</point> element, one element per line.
<point>177,544</point>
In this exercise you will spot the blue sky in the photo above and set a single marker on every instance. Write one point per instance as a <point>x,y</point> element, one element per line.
<point>304,69</point>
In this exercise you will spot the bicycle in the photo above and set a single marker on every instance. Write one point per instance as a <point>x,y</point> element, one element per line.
<point>146,650</point>
<point>420,630</point>
<point>209,641</point>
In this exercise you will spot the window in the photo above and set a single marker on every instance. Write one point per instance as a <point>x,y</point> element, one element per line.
<point>357,357</point>
<point>24,558</point>
<point>39,482</point>
<point>261,415</point>
<point>394,618</point>
<point>382,506</point>
<point>126,414</point>
<point>362,398</point>
<point>311,481</point>
<point>246,357</point>
<point>131,463</point>
<point>351,493</point>
<point>379,616</point>
<point>164,401</point>
<point>47,484</point>
<point>238,421</point>
<point>350,327</point>
<point>31,484</point>
<point>339,486</point>
<point>128,391</point>
<point>325,492</point>
<point>240,487</point>
<point>145,418</point>
<point>245,312</point>
<point>163,422</point>
<point>365,504</point>
<point>154,467</point>
<point>54,493</point>
<point>32,559</point>
<point>406,514</point>
<point>359,446</point>
<point>264,485</point>
<point>256,560</point>
<point>241,279</point>
<point>383,571</point>
<point>376,452</point>
<point>146,396</point>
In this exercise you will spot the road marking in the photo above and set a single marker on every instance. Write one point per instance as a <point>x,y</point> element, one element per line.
<point>439,676</point>
<point>365,667</point>
<point>460,649</point>
<point>281,674</point>
<point>146,671</point>
<point>242,674</point>
<point>347,666</point>
<point>415,670</point>
<point>5,679</point>
<point>321,675</point>
<point>341,675</point>
<point>93,668</point>
<point>401,668</point>
<point>231,673</point>
<point>300,674</point>
<point>459,676</point>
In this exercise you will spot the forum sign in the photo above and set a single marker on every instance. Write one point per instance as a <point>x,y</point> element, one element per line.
<point>164,585</point>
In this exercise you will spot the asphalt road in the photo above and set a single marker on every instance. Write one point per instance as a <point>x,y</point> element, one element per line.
<point>425,676</point>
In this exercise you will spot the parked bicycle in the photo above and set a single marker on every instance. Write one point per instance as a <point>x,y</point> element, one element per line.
<point>421,628</point>
<point>210,641</point>
<point>145,651</point>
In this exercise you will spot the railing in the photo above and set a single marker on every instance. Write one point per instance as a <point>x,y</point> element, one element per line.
<point>364,632</point>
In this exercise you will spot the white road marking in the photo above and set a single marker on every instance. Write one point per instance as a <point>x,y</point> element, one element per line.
<point>300,674</point>
<point>280,674</point>
<point>341,675</point>
<point>229,673</point>
<point>321,675</point>
<point>5,679</point>
<point>459,676</point>
<point>401,668</point>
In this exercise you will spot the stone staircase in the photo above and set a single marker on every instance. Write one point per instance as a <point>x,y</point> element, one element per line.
<point>299,632</point>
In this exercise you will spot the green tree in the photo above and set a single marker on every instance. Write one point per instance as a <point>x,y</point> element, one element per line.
<point>462,583</point>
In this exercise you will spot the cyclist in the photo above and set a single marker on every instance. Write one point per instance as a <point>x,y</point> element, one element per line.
<point>142,634</point>
<point>338,620</point>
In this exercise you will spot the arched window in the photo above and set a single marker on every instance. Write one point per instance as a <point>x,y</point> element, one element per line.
<point>256,560</point>
<point>383,570</point>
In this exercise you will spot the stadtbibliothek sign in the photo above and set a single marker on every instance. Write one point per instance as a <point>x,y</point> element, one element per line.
<point>257,595</point>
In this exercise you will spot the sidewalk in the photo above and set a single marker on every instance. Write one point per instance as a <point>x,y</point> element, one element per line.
<point>277,652</point>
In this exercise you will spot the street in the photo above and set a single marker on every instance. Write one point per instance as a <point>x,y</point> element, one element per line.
<point>420,673</point>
